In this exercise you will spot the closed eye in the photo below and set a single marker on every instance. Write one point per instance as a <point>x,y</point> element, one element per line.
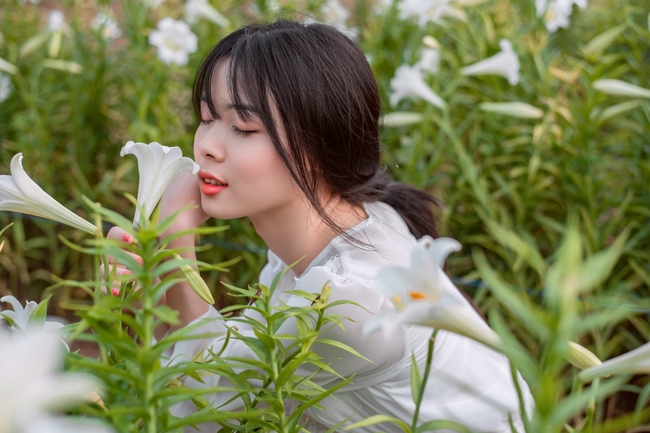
<point>242,133</point>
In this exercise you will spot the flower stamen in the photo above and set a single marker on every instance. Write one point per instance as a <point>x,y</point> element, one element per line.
<point>416,295</point>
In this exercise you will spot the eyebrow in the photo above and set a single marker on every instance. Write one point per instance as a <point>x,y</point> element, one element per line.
<point>243,107</point>
<point>249,109</point>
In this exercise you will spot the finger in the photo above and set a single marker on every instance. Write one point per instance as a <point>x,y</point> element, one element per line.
<point>115,270</point>
<point>120,234</point>
<point>137,258</point>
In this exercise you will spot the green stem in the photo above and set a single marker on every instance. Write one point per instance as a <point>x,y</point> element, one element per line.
<point>591,409</point>
<point>520,396</point>
<point>576,390</point>
<point>147,337</point>
<point>425,377</point>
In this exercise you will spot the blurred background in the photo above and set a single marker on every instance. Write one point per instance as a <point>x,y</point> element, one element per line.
<point>505,110</point>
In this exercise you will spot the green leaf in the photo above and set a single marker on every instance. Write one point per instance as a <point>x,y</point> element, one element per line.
<point>377,419</point>
<point>615,110</point>
<point>600,43</point>
<point>416,379</point>
<point>40,312</point>
<point>595,270</point>
<point>342,346</point>
<point>442,425</point>
<point>289,369</point>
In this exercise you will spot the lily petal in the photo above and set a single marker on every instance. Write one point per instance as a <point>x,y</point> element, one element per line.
<point>424,295</point>
<point>408,82</point>
<point>505,64</point>
<point>31,384</point>
<point>19,193</point>
<point>158,166</point>
<point>440,249</point>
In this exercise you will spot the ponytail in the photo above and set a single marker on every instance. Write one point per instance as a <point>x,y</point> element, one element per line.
<point>414,206</point>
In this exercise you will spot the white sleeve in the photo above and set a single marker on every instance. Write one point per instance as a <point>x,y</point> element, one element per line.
<point>365,302</point>
<point>209,331</point>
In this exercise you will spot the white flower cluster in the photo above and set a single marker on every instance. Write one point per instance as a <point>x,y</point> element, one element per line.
<point>106,26</point>
<point>174,38</point>
<point>556,13</point>
<point>55,20</point>
<point>425,11</point>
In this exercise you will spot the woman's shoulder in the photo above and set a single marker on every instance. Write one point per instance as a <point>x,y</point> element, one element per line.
<point>384,240</point>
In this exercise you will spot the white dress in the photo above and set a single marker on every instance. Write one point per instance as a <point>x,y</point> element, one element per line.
<point>469,382</point>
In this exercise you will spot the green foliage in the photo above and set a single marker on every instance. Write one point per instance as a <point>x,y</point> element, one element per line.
<point>142,384</point>
<point>553,212</point>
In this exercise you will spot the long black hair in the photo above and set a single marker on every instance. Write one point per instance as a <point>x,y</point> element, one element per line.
<point>328,102</point>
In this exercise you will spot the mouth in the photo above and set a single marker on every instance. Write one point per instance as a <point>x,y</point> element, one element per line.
<point>211,185</point>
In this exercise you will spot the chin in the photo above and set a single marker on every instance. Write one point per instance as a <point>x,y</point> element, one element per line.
<point>220,212</point>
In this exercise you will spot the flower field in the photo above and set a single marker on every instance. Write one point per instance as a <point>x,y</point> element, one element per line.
<point>527,119</point>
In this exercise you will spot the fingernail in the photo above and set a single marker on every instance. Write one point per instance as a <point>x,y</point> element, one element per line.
<point>116,292</point>
<point>139,260</point>
<point>127,238</point>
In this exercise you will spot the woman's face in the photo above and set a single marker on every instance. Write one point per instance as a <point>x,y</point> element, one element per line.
<point>241,172</point>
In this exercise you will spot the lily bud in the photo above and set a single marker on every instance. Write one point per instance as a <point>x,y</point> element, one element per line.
<point>620,88</point>
<point>513,109</point>
<point>195,281</point>
<point>581,357</point>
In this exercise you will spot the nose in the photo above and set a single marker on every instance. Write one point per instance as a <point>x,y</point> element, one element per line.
<point>208,143</point>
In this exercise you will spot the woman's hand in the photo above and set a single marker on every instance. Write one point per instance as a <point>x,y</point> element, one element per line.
<point>118,268</point>
<point>183,191</point>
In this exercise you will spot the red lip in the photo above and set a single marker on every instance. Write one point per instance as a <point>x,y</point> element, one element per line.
<point>205,175</point>
<point>210,188</point>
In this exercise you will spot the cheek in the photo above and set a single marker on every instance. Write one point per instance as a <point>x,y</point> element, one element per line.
<point>263,170</point>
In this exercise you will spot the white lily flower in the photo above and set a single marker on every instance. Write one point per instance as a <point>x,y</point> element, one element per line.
<point>20,315</point>
<point>158,166</point>
<point>106,26</point>
<point>424,11</point>
<point>408,82</point>
<point>197,9</point>
<point>636,361</point>
<point>271,6</point>
<point>174,40</point>
<point>505,64</point>
<point>429,61</point>
<point>335,13</point>
<point>5,86</point>
<point>424,295</point>
<point>620,88</point>
<point>31,385</point>
<point>55,20</point>
<point>520,110</point>
<point>556,13</point>
<point>19,193</point>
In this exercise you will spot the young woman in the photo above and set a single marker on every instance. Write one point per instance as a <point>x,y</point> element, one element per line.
<point>288,137</point>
